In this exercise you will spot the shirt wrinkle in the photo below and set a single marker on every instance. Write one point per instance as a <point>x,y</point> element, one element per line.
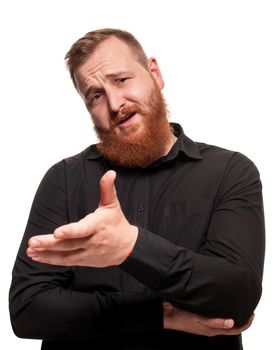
<point>178,255</point>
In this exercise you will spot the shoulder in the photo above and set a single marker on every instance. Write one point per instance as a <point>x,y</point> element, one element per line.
<point>73,164</point>
<point>223,156</point>
<point>234,168</point>
<point>90,153</point>
<point>227,167</point>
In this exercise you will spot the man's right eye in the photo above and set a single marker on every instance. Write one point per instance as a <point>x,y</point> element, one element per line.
<point>94,98</point>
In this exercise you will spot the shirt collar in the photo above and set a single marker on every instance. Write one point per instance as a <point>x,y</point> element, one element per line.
<point>182,145</point>
<point>93,152</point>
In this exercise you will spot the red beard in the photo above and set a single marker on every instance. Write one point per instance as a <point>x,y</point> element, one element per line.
<point>133,147</point>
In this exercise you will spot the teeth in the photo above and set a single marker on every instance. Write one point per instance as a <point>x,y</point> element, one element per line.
<point>127,117</point>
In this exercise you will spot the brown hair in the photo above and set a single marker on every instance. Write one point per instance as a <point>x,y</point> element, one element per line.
<point>85,46</point>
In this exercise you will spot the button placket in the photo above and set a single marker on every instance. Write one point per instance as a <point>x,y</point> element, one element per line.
<point>140,208</point>
<point>142,194</point>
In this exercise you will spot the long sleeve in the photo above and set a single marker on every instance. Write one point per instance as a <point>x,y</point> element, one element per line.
<point>222,279</point>
<point>42,303</point>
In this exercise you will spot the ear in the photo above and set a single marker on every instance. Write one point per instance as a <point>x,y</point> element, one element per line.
<point>155,71</point>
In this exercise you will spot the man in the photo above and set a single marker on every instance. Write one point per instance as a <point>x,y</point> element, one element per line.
<point>146,240</point>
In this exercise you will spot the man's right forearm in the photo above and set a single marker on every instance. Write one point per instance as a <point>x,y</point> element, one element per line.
<point>184,321</point>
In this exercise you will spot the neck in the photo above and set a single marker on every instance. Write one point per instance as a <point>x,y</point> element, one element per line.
<point>170,144</point>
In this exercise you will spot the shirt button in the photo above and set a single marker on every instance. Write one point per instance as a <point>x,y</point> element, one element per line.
<point>140,208</point>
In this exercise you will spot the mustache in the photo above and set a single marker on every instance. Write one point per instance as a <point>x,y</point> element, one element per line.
<point>124,113</point>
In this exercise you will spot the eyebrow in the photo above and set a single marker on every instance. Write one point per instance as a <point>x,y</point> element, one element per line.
<point>93,88</point>
<point>117,74</point>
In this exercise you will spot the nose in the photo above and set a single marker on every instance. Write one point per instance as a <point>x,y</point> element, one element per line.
<point>116,100</point>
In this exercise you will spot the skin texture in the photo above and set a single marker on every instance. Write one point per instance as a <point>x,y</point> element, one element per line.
<point>110,80</point>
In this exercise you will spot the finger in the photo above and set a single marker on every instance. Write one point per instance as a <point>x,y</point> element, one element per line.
<point>246,325</point>
<point>79,229</point>
<point>71,258</point>
<point>218,323</point>
<point>41,241</point>
<point>239,330</point>
<point>108,195</point>
<point>49,242</point>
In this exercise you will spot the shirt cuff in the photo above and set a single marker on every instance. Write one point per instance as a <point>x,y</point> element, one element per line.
<point>151,258</point>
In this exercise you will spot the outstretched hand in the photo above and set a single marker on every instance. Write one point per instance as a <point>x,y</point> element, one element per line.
<point>102,238</point>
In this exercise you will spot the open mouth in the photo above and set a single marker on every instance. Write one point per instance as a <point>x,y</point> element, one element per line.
<point>126,118</point>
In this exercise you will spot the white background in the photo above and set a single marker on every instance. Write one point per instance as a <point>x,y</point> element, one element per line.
<point>216,58</point>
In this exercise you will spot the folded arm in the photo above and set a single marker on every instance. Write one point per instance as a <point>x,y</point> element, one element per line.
<point>224,278</point>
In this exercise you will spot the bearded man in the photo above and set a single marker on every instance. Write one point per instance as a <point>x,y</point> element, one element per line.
<point>146,240</point>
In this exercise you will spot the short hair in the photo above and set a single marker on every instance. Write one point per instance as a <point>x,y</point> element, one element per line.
<point>85,46</point>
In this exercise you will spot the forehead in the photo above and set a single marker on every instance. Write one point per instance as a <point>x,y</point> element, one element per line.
<point>112,47</point>
<point>110,56</point>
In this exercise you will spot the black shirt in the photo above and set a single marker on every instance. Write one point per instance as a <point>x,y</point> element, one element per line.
<point>201,247</point>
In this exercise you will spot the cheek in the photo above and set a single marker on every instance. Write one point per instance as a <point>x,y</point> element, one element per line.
<point>137,96</point>
<point>139,93</point>
<point>101,118</point>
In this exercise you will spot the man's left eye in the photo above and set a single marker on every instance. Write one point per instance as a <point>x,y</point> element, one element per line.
<point>122,80</point>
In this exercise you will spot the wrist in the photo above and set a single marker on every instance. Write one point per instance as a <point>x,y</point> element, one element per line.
<point>131,238</point>
<point>167,311</point>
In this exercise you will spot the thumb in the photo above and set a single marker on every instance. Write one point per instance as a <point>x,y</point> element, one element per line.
<point>108,195</point>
